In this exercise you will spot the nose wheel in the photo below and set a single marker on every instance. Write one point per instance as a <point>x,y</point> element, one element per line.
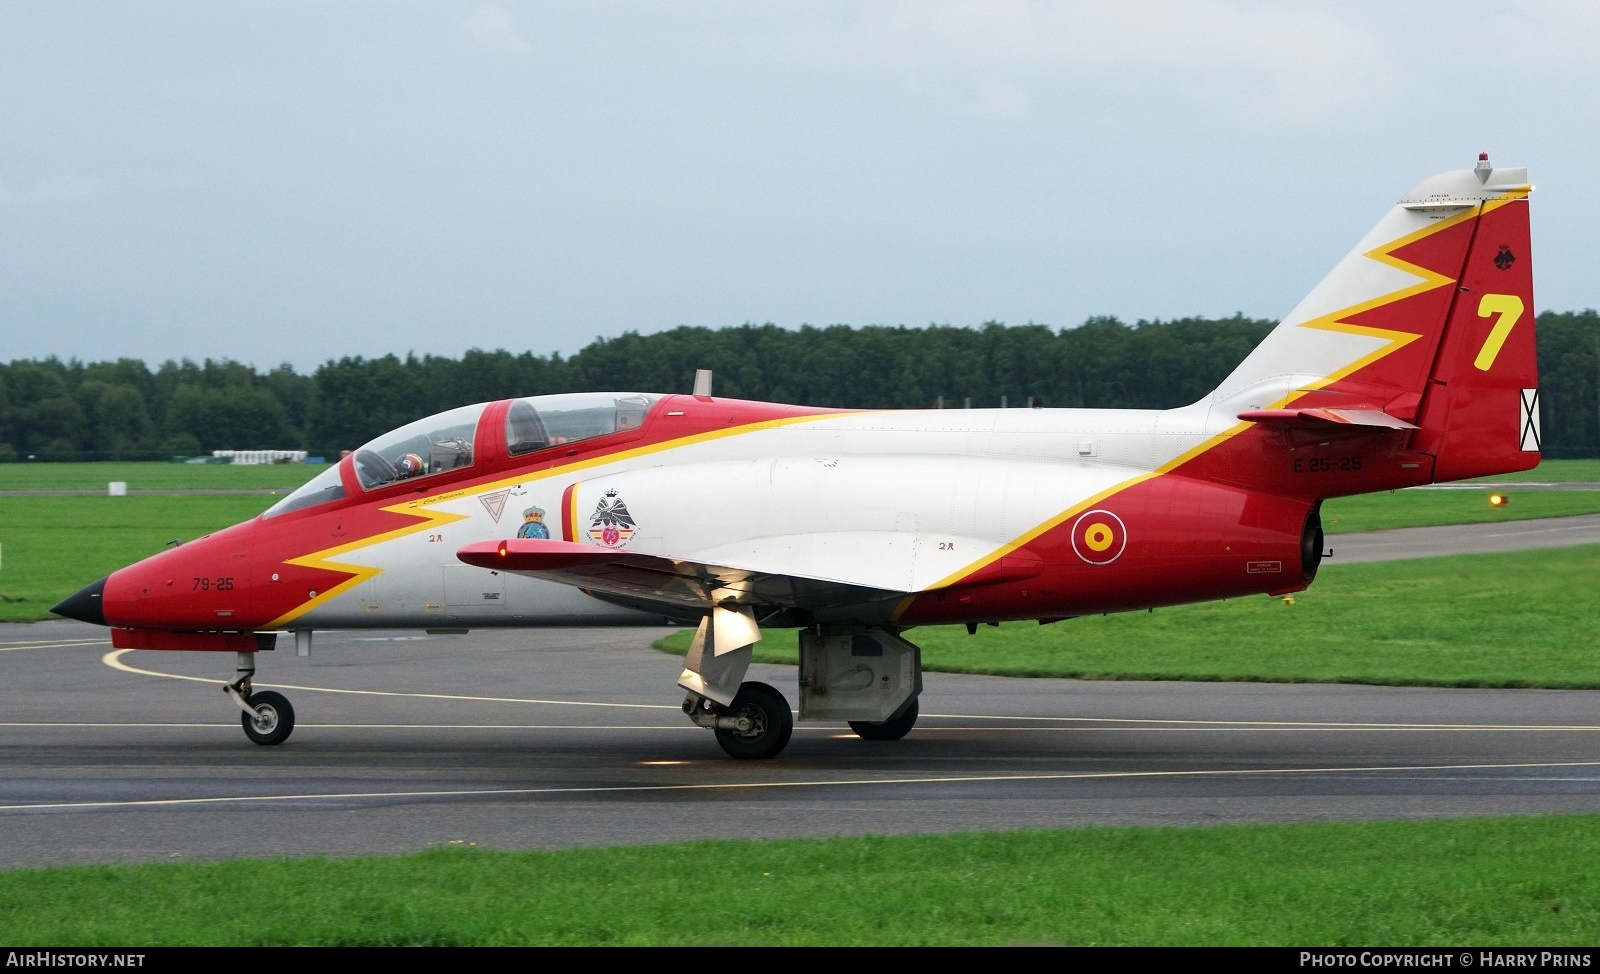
<point>267,717</point>
<point>270,718</point>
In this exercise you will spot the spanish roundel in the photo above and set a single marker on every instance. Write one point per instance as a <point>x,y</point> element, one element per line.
<point>1099,537</point>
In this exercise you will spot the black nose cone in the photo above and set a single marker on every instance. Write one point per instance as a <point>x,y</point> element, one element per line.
<point>84,605</point>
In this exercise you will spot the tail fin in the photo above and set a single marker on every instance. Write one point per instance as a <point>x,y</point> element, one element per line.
<point>1429,320</point>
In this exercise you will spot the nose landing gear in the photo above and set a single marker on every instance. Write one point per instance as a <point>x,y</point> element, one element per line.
<point>268,717</point>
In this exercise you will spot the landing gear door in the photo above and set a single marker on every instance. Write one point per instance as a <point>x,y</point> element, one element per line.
<point>869,675</point>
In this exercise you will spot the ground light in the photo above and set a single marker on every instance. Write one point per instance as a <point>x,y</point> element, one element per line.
<point>1499,500</point>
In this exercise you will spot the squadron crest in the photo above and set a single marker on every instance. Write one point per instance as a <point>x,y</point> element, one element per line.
<point>611,524</point>
<point>533,525</point>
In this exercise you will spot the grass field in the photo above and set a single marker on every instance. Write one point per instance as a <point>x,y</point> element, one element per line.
<point>1425,508</point>
<point>155,476</point>
<point>1519,881</point>
<point>1523,619</point>
<point>52,546</point>
<point>1554,470</point>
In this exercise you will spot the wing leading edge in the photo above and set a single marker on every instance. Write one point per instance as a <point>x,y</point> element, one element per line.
<point>751,576</point>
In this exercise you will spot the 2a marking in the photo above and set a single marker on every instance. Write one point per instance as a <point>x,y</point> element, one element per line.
<point>1327,464</point>
<point>432,538</point>
<point>947,546</point>
<point>222,583</point>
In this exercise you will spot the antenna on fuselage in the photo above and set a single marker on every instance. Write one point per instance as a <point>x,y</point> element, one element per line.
<point>702,383</point>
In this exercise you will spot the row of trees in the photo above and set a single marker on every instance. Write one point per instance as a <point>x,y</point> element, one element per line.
<point>51,409</point>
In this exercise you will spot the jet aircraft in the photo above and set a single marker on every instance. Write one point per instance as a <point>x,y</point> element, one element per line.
<point>1412,362</point>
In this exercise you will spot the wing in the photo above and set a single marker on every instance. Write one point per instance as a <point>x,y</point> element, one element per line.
<point>812,572</point>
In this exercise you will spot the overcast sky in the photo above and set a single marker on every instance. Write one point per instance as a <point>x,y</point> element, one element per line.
<point>293,182</point>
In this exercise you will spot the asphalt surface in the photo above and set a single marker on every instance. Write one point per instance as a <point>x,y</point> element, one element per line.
<point>540,739</point>
<point>1464,539</point>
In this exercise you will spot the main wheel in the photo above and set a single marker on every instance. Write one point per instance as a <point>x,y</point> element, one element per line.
<point>771,723</point>
<point>887,730</point>
<point>272,721</point>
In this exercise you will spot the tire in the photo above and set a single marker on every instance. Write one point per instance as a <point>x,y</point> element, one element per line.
<point>274,720</point>
<point>769,712</point>
<point>887,730</point>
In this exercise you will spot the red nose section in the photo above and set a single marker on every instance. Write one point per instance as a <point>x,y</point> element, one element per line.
<point>235,579</point>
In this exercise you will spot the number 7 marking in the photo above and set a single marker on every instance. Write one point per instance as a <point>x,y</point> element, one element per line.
<point>1509,309</point>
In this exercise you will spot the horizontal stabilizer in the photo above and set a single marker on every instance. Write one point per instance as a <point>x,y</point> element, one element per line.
<point>1373,418</point>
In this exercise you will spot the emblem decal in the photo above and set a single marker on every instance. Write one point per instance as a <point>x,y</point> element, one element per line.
<point>1505,258</point>
<point>611,524</point>
<point>495,503</point>
<point>533,525</point>
<point>1099,537</point>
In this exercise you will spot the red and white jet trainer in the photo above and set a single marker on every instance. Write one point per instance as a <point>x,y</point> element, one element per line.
<point>1412,362</point>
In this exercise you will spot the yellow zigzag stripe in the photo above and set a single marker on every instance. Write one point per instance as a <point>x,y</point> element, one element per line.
<point>360,573</point>
<point>1394,341</point>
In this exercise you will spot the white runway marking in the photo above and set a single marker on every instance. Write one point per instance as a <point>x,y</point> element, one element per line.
<point>920,730</point>
<point>1270,724</point>
<point>759,785</point>
<point>65,644</point>
<point>234,724</point>
<point>113,660</point>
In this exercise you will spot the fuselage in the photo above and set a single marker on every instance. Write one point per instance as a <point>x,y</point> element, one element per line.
<point>926,515</point>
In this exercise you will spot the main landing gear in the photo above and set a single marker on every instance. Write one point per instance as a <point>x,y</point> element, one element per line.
<point>267,717</point>
<point>892,729</point>
<point>868,677</point>
<point>754,726</point>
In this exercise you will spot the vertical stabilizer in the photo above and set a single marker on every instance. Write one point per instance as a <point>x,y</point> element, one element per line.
<point>1428,320</point>
<point>1480,411</point>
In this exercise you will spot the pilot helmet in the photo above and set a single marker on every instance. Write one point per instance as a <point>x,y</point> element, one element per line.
<point>409,465</point>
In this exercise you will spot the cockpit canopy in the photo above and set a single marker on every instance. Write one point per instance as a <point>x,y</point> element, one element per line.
<point>438,444</point>
<point>545,421</point>
<point>444,442</point>
<point>324,487</point>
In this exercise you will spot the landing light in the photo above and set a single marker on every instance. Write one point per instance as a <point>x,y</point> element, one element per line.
<point>1498,500</point>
